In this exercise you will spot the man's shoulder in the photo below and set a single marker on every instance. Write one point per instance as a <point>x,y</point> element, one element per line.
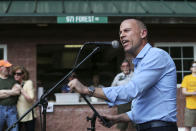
<point>7,83</point>
<point>158,51</point>
<point>9,78</point>
<point>156,54</point>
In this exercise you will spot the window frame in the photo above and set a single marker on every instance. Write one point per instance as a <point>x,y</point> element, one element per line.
<point>4,47</point>
<point>178,44</point>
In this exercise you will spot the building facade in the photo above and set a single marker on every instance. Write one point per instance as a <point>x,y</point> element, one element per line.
<point>45,36</point>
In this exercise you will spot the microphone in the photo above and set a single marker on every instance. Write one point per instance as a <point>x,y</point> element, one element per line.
<point>114,43</point>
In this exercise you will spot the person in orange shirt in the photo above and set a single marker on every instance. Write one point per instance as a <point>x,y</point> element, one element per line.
<point>189,90</point>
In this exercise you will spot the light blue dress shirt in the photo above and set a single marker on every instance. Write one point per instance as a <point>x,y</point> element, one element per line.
<point>152,87</point>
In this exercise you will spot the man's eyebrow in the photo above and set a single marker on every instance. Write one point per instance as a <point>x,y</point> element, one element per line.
<point>125,29</point>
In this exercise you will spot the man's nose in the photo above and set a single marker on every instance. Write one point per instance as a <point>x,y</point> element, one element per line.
<point>122,34</point>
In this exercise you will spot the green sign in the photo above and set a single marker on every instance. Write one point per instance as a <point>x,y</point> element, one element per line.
<point>81,19</point>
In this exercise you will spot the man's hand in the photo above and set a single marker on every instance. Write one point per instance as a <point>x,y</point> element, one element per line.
<point>110,119</point>
<point>76,85</point>
<point>12,92</point>
<point>108,123</point>
<point>113,119</point>
<point>16,89</point>
<point>4,94</point>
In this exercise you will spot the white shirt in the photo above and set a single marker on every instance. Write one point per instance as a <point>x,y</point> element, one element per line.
<point>121,79</point>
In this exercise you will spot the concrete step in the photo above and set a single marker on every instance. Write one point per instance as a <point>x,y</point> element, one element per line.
<point>182,129</point>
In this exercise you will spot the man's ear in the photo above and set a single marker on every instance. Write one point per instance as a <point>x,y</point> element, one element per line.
<point>143,33</point>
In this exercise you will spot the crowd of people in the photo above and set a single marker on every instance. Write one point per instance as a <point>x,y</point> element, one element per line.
<point>146,97</point>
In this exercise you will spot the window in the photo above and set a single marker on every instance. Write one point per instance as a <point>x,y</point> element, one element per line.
<point>54,61</point>
<point>3,51</point>
<point>183,54</point>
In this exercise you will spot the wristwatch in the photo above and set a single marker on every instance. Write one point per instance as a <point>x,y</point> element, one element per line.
<point>91,91</point>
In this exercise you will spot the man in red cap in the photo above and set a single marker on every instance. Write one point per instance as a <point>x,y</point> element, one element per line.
<point>9,92</point>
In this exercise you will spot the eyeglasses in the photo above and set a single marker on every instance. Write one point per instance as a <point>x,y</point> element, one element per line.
<point>18,74</point>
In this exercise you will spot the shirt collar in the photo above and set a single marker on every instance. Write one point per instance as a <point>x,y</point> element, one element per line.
<point>142,53</point>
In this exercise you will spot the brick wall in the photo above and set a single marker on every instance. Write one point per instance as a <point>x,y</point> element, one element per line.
<point>21,53</point>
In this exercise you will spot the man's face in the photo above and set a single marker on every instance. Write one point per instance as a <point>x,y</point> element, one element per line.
<point>131,36</point>
<point>125,68</point>
<point>4,71</point>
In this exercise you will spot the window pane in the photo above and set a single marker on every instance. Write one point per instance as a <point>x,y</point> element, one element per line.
<point>179,77</point>
<point>54,61</point>
<point>187,64</point>
<point>188,52</point>
<point>178,65</point>
<point>186,73</point>
<point>175,52</point>
<point>1,53</point>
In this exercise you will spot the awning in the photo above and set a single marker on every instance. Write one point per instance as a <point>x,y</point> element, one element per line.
<point>47,11</point>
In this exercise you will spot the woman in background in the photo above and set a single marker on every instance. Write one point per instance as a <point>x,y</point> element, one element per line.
<point>26,99</point>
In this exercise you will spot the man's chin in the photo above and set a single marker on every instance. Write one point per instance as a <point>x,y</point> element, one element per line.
<point>6,75</point>
<point>126,49</point>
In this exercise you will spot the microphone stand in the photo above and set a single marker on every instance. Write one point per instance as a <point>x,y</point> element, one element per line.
<point>43,99</point>
<point>95,115</point>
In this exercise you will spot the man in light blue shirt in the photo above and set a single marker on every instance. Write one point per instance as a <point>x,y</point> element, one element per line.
<point>152,88</point>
